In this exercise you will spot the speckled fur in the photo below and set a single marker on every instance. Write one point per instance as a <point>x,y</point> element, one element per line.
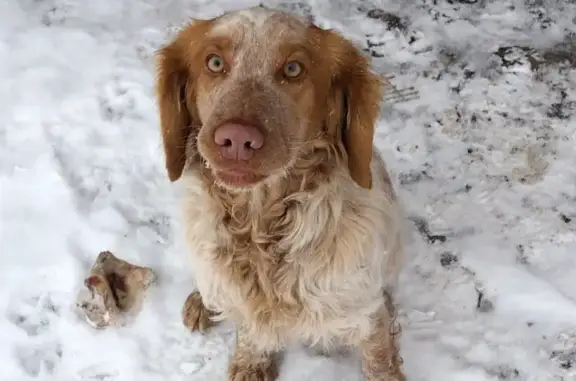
<point>309,253</point>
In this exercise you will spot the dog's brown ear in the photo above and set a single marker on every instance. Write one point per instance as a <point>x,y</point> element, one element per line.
<point>359,90</point>
<point>175,118</point>
<point>175,95</point>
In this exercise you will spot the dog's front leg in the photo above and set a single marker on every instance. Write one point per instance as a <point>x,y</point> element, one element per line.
<point>249,362</point>
<point>380,358</point>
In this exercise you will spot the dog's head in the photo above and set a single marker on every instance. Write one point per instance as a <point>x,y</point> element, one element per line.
<point>246,92</point>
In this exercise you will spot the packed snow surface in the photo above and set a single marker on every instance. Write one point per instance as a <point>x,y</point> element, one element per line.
<point>484,161</point>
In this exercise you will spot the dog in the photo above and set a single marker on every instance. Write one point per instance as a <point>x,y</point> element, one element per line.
<point>290,215</point>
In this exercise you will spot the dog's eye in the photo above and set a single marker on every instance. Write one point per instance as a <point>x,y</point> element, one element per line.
<point>293,69</point>
<point>215,63</point>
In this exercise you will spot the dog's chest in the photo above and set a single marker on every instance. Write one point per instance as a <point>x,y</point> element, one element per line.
<point>267,258</point>
<point>285,263</point>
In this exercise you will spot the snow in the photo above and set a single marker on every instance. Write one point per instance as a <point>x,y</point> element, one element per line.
<point>484,160</point>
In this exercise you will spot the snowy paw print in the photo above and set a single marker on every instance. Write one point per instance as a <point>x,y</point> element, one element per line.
<point>534,165</point>
<point>541,16</point>
<point>149,43</point>
<point>54,16</point>
<point>565,359</point>
<point>33,325</point>
<point>33,315</point>
<point>41,360</point>
<point>54,12</point>
<point>115,101</point>
<point>524,157</point>
<point>563,353</point>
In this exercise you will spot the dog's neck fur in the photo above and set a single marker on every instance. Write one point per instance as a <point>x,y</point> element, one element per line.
<point>264,210</point>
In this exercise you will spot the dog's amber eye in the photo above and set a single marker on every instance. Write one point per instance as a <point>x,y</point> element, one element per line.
<point>293,69</point>
<point>215,63</point>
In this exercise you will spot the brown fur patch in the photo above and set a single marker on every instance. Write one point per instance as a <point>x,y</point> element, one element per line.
<point>248,364</point>
<point>195,316</point>
<point>380,352</point>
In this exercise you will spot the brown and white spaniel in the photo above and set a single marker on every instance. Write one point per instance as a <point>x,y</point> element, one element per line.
<point>290,214</point>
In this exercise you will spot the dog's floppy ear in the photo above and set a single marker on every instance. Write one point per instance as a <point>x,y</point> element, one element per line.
<point>356,93</point>
<point>175,95</point>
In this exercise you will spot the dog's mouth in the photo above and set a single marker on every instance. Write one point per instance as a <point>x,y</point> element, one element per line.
<point>237,177</point>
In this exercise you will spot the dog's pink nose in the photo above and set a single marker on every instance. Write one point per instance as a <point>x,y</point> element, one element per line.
<point>238,141</point>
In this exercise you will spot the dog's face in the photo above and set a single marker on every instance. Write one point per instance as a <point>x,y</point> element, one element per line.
<point>248,91</point>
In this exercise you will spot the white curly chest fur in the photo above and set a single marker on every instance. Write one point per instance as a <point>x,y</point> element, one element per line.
<point>338,284</point>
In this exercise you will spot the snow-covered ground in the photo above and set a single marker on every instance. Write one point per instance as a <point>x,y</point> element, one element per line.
<point>485,161</point>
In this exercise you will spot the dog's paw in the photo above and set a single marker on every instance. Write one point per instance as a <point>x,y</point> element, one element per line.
<point>392,374</point>
<point>396,375</point>
<point>261,371</point>
<point>195,316</point>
